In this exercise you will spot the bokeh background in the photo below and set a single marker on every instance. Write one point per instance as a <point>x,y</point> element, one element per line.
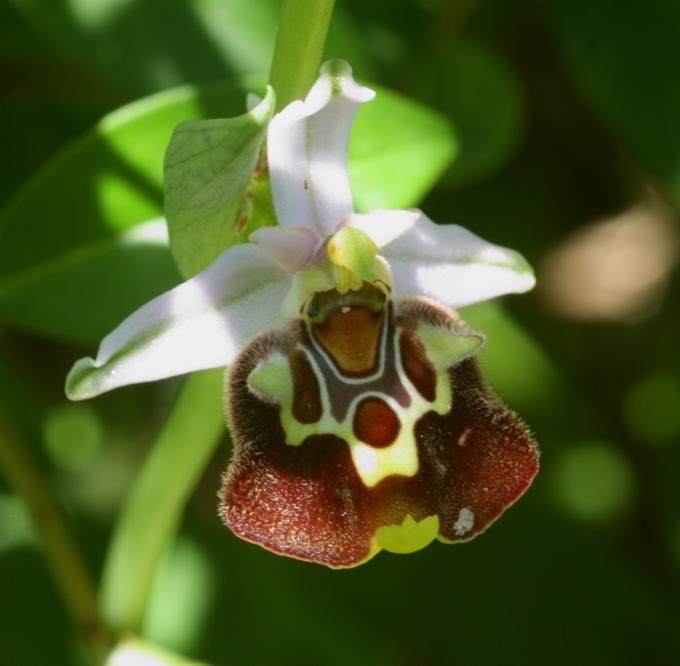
<point>561,139</point>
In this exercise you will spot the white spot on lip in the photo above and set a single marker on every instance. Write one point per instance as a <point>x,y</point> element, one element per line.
<point>465,522</point>
<point>345,309</point>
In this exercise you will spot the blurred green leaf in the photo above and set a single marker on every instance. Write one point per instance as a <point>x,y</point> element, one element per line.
<point>625,56</point>
<point>398,151</point>
<point>593,481</point>
<point>207,167</point>
<point>650,409</point>
<point>522,373</point>
<point>18,529</point>
<point>475,87</point>
<point>72,435</point>
<point>181,597</point>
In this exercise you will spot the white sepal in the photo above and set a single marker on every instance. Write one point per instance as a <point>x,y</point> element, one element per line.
<point>203,323</point>
<point>453,266</point>
<point>307,152</point>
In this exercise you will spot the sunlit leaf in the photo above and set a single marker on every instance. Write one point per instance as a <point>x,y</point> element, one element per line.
<point>208,165</point>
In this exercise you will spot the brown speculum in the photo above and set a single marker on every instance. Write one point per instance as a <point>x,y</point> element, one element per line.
<point>363,421</point>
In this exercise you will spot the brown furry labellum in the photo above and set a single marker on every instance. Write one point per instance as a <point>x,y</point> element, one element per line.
<point>366,423</point>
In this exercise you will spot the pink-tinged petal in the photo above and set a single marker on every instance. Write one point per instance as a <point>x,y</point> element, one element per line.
<point>292,248</point>
<point>383,226</point>
<point>312,500</point>
<point>454,266</point>
<point>202,323</point>
<point>307,152</point>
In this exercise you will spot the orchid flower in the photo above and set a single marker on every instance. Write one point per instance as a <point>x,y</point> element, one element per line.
<point>359,416</point>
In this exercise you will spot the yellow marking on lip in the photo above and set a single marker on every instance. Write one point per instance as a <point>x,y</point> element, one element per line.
<point>374,464</point>
<point>408,537</point>
<point>325,321</point>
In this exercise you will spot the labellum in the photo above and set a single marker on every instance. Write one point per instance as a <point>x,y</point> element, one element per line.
<point>366,424</point>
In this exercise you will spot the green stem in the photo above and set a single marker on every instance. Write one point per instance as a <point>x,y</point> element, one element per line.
<point>154,507</point>
<point>61,553</point>
<point>299,48</point>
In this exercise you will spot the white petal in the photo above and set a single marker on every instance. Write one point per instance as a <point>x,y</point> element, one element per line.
<point>292,248</point>
<point>384,226</point>
<point>202,323</point>
<point>453,265</point>
<point>307,152</point>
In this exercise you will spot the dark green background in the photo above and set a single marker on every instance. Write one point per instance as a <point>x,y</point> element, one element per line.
<point>565,112</point>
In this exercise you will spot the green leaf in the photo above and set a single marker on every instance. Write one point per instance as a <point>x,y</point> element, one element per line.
<point>625,56</point>
<point>478,91</point>
<point>208,165</point>
<point>398,151</point>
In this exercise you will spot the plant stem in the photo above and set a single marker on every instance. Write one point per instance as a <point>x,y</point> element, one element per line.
<point>154,507</point>
<point>299,48</point>
<point>61,553</point>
